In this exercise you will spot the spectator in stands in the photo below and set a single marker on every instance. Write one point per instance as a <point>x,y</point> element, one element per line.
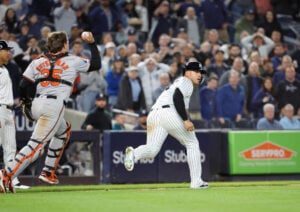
<point>131,49</point>
<point>204,55</point>
<point>237,66</point>
<point>262,7</point>
<point>75,33</point>
<point>289,121</point>
<point>279,52</point>
<point>64,17</point>
<point>91,84</point>
<point>208,97</point>
<point>193,25</point>
<point>134,60</point>
<point>174,71</point>
<point>106,38</point>
<point>149,72</point>
<point>215,16</point>
<point>288,91</point>
<point>104,18</point>
<point>270,23</point>
<point>279,75</point>
<point>143,15</point>
<point>130,17</point>
<point>254,56</point>
<point>132,37</point>
<point>277,37</point>
<point>11,21</point>
<point>149,47</point>
<point>218,66</point>
<point>268,122</point>
<point>260,42</point>
<point>231,99</point>
<point>254,82</point>
<point>142,122</point>
<point>24,35</point>
<point>214,39</point>
<point>82,18</point>
<point>268,69</point>
<point>45,30</point>
<point>42,8</point>
<point>244,23</point>
<point>180,7</point>
<point>131,96</point>
<point>264,96</point>
<point>113,78</point>
<point>164,49</point>
<point>35,25</point>
<point>296,57</point>
<point>119,122</point>
<point>164,83</point>
<point>99,119</point>
<point>4,35</point>
<point>162,22</point>
<point>234,50</point>
<point>239,7</point>
<point>108,57</point>
<point>78,50</point>
<point>6,4</point>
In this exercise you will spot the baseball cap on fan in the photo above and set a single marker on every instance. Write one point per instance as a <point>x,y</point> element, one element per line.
<point>143,112</point>
<point>4,45</point>
<point>101,96</point>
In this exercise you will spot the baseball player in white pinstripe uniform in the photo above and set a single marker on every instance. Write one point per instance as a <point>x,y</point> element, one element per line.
<point>7,125</point>
<point>169,116</point>
<point>49,79</point>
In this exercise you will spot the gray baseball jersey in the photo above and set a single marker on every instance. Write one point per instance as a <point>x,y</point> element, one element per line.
<point>65,68</point>
<point>48,109</point>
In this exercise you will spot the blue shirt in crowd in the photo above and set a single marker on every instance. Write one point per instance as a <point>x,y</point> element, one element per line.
<point>230,102</point>
<point>265,124</point>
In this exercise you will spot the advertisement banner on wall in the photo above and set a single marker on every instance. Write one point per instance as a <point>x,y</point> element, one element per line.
<point>170,165</point>
<point>264,152</point>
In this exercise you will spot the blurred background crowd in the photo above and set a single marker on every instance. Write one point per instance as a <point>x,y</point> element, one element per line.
<point>250,48</point>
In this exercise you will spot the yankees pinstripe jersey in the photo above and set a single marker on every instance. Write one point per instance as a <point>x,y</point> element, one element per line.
<point>166,98</point>
<point>65,68</point>
<point>6,94</point>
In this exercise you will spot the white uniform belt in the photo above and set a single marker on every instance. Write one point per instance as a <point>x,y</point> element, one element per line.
<point>10,107</point>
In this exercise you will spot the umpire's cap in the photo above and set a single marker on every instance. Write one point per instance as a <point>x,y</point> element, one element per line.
<point>194,66</point>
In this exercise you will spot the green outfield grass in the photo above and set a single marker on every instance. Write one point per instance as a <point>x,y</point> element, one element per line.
<point>221,196</point>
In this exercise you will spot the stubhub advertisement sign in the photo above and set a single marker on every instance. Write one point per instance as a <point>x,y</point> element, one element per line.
<point>170,165</point>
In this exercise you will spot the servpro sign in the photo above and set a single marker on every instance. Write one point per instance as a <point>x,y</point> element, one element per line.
<point>268,150</point>
<point>264,152</point>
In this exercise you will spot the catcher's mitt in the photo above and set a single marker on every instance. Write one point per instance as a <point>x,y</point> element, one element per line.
<point>26,109</point>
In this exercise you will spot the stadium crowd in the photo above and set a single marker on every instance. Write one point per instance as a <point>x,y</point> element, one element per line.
<point>145,44</point>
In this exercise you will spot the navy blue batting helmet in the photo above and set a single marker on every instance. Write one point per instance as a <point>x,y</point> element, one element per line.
<point>194,66</point>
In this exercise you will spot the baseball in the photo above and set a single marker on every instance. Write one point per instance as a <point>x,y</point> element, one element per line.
<point>85,35</point>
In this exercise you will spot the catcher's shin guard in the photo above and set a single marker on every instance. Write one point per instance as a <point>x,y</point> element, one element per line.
<point>56,148</point>
<point>26,155</point>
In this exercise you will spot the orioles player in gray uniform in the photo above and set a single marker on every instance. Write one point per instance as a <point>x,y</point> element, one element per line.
<point>169,116</point>
<point>52,75</point>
